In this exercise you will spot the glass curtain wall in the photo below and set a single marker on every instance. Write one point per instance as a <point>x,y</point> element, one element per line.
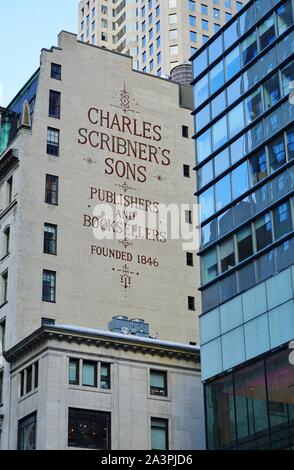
<point>253,407</point>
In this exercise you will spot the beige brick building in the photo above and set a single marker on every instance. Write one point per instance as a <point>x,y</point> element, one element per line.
<point>158,34</point>
<point>87,129</point>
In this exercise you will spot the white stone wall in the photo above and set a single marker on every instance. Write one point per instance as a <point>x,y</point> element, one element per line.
<point>129,402</point>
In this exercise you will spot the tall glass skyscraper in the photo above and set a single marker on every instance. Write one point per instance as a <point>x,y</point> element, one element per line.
<point>244,136</point>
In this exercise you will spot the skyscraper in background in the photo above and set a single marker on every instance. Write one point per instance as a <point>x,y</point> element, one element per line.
<point>158,34</point>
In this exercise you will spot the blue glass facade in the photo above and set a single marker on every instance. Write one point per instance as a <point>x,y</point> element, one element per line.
<point>244,142</point>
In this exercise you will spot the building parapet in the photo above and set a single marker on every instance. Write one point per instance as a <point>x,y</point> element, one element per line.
<point>107,339</point>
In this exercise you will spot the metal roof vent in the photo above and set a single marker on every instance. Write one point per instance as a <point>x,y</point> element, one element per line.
<point>136,326</point>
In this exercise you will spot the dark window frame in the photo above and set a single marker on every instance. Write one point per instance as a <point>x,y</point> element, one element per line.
<point>76,414</point>
<point>105,379</point>
<point>186,171</point>
<point>158,391</point>
<point>188,217</point>
<point>166,427</point>
<point>191,303</point>
<point>23,424</point>
<point>55,71</point>
<point>10,188</point>
<point>54,104</point>
<point>7,233</point>
<point>95,365</point>
<point>1,387</point>
<point>185,132</point>
<point>50,288</point>
<point>189,259</point>
<point>5,287</point>
<point>53,146</point>
<point>77,366</point>
<point>29,379</point>
<point>36,375</point>
<point>50,181</point>
<point>50,244</point>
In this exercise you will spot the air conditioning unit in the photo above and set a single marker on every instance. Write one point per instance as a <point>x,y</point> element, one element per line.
<point>135,326</point>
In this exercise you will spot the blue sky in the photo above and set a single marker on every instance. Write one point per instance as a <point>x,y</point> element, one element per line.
<point>25,27</point>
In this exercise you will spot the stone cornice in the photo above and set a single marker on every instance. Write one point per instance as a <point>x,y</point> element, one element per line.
<point>135,345</point>
<point>8,158</point>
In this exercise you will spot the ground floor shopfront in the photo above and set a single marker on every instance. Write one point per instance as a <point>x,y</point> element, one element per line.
<point>252,407</point>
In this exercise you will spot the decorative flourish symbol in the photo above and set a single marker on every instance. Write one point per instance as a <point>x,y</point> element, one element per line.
<point>125,187</point>
<point>125,99</point>
<point>125,277</point>
<point>159,178</point>
<point>90,161</point>
<point>126,243</point>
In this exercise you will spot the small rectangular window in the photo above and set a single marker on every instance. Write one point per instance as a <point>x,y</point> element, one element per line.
<point>6,241</point>
<point>282,220</point>
<point>105,381</point>
<point>191,303</point>
<point>56,71</point>
<point>54,104</point>
<point>258,168</point>
<point>244,243</point>
<point>158,383</point>
<point>53,141</point>
<point>266,32</point>
<point>271,90</point>
<point>50,239</point>
<point>263,231</point>
<point>73,372</point>
<point>47,321</point>
<point>185,131</point>
<point>277,153</point>
<point>89,374</point>
<point>227,255</point>
<point>22,388</point>
<point>188,217</point>
<point>49,286</point>
<point>290,142</point>
<point>5,287</point>
<point>36,374</point>
<point>189,257</point>
<point>29,382</point>
<point>1,388</point>
<point>51,189</point>
<point>9,189</point>
<point>186,171</point>
<point>159,432</point>
<point>2,336</point>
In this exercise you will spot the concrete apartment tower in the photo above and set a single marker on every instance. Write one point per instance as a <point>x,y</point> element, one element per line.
<point>158,34</point>
<point>88,129</point>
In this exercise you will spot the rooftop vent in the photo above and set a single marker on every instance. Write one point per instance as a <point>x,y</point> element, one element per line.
<point>136,326</point>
